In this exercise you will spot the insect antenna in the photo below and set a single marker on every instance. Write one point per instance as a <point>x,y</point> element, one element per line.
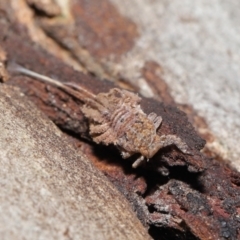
<point>80,94</point>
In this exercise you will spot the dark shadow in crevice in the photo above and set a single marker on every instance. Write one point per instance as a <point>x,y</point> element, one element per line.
<point>170,234</point>
<point>39,12</point>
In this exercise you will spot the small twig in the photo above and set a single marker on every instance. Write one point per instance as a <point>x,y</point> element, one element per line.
<point>81,94</point>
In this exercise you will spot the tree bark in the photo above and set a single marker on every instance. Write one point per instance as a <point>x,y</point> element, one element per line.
<point>48,189</point>
<point>165,50</point>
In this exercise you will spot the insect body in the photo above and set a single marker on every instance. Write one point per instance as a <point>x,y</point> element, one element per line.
<point>116,118</point>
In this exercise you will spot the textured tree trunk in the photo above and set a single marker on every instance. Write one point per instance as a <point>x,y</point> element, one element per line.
<point>181,57</point>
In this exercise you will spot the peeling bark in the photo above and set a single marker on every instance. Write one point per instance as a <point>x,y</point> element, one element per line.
<point>174,195</point>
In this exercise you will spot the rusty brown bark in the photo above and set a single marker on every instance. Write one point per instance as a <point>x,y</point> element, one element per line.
<point>175,196</point>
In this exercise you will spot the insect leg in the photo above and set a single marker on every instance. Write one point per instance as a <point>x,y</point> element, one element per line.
<point>106,138</point>
<point>157,120</point>
<point>138,162</point>
<point>97,129</point>
<point>125,154</point>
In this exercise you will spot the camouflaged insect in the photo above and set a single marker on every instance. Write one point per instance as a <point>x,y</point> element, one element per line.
<point>116,118</point>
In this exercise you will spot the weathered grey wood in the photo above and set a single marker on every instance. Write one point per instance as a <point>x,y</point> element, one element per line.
<point>48,189</point>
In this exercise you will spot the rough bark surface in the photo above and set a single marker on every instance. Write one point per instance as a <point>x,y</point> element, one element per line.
<point>196,44</point>
<point>48,189</point>
<point>151,47</point>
